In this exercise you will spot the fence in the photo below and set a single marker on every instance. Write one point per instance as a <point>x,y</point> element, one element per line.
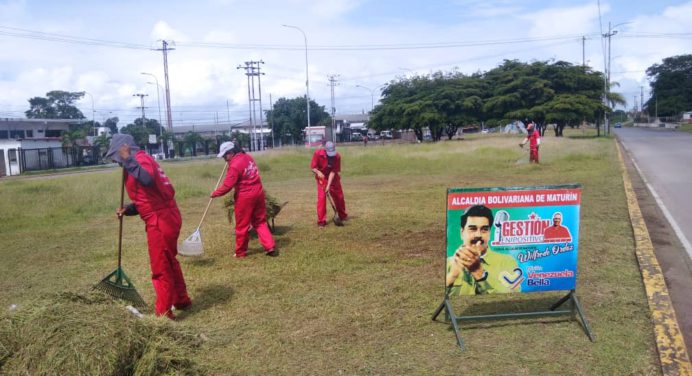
<point>62,157</point>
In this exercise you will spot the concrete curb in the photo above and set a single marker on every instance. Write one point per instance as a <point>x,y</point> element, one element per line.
<point>671,347</point>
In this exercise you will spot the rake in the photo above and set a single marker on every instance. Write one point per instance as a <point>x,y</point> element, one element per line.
<point>117,284</point>
<point>192,246</point>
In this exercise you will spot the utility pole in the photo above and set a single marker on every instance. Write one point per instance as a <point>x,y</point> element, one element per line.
<point>271,121</point>
<point>641,101</point>
<point>606,123</point>
<point>141,98</point>
<point>583,51</point>
<point>252,70</point>
<point>333,81</point>
<point>165,48</point>
<point>228,112</point>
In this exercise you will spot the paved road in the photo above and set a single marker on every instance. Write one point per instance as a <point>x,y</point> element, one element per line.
<point>662,184</point>
<point>664,158</point>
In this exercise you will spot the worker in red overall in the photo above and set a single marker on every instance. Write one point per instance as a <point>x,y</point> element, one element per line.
<point>326,165</point>
<point>249,209</point>
<point>153,199</point>
<point>534,139</point>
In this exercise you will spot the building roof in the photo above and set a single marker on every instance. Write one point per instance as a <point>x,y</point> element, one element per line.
<point>218,128</point>
<point>17,122</point>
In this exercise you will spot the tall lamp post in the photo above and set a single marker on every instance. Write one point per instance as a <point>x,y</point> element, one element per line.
<point>307,78</point>
<point>609,34</point>
<point>372,96</point>
<point>93,122</point>
<point>158,101</point>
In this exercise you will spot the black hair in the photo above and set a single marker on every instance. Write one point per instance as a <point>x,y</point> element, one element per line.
<point>237,148</point>
<point>477,211</point>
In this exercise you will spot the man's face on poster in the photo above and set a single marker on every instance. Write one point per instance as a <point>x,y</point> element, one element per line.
<point>476,233</point>
<point>557,219</point>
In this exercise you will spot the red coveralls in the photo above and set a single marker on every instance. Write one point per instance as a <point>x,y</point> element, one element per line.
<point>250,210</point>
<point>533,145</point>
<point>157,207</point>
<point>320,162</point>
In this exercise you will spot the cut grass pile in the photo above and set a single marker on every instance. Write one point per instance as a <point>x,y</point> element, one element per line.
<point>355,299</point>
<point>88,334</point>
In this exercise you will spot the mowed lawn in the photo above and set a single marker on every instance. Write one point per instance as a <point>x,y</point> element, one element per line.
<point>356,299</point>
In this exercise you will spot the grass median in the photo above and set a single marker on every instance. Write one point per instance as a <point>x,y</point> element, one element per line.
<point>355,299</point>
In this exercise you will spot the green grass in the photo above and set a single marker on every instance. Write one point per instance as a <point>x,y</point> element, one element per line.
<point>685,127</point>
<point>356,299</point>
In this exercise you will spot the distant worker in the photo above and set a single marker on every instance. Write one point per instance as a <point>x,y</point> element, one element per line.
<point>365,140</point>
<point>326,165</point>
<point>249,209</point>
<point>153,199</point>
<point>534,140</point>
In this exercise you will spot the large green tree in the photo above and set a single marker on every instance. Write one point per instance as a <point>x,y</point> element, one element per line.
<point>57,104</point>
<point>288,117</point>
<point>671,86</point>
<point>557,92</point>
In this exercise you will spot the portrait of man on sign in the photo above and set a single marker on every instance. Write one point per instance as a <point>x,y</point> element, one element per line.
<point>557,233</point>
<point>475,268</point>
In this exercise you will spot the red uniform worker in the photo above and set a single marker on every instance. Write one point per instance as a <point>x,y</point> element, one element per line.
<point>250,210</point>
<point>153,199</point>
<point>534,140</point>
<point>326,164</point>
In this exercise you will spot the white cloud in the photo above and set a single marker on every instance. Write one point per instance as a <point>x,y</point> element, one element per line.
<point>162,30</point>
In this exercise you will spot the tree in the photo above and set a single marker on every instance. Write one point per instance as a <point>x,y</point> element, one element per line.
<point>56,105</point>
<point>289,117</point>
<point>671,86</point>
<point>541,91</point>
<point>140,130</point>
<point>112,124</point>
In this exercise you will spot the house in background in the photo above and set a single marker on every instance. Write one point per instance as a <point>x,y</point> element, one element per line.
<point>346,125</point>
<point>32,144</point>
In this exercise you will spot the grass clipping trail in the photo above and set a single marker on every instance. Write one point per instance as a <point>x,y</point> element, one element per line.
<point>89,334</point>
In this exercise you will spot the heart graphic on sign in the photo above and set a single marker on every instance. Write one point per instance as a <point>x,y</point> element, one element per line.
<point>511,279</point>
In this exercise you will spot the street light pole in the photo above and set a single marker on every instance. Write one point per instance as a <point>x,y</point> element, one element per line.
<point>372,96</point>
<point>158,102</point>
<point>307,77</point>
<point>611,32</point>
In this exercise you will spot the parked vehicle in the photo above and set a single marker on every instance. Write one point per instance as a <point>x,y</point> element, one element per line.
<point>387,135</point>
<point>356,137</point>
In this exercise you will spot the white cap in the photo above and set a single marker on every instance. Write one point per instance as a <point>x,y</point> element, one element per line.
<point>225,148</point>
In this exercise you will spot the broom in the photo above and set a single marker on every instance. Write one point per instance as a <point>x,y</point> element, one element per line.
<point>192,246</point>
<point>117,284</point>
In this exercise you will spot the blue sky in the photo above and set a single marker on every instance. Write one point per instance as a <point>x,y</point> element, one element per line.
<point>203,77</point>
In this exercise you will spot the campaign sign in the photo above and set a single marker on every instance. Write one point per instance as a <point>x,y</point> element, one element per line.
<point>510,240</point>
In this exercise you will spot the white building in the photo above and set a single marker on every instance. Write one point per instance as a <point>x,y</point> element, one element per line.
<point>41,136</point>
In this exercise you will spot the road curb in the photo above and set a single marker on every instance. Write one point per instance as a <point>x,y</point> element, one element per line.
<point>672,352</point>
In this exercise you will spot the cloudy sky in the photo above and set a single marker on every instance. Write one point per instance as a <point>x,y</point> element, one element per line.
<point>102,47</point>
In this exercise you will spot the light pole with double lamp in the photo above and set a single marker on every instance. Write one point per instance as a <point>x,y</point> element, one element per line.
<point>307,78</point>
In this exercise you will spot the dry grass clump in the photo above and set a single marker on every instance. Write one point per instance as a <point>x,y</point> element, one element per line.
<point>89,334</point>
